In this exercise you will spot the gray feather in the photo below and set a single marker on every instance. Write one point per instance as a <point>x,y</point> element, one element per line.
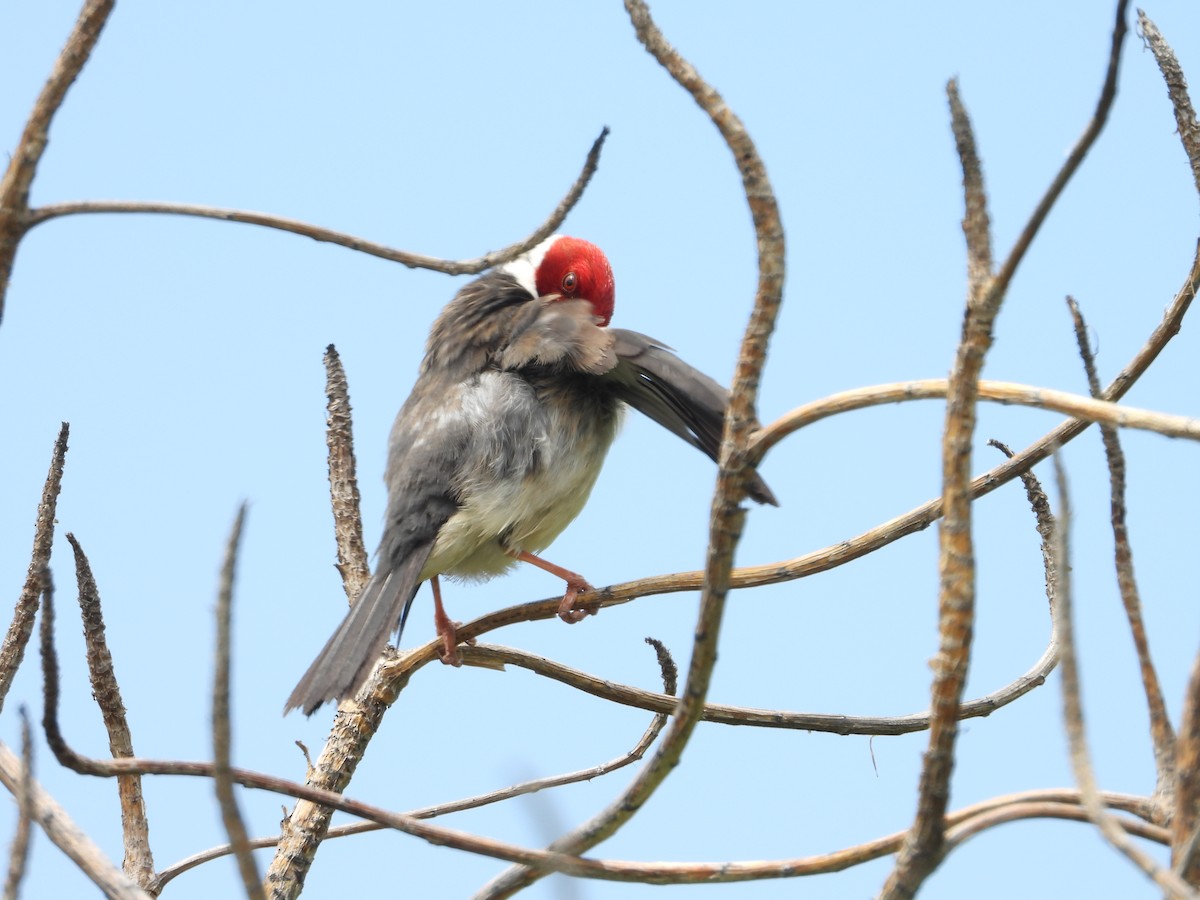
<point>681,398</point>
<point>346,660</point>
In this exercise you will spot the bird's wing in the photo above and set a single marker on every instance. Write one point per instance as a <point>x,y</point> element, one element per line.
<point>423,457</point>
<point>656,382</point>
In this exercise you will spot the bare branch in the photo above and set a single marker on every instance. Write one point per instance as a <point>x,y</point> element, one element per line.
<point>22,167</point>
<point>222,782</point>
<point>135,827</point>
<point>1085,409</point>
<point>494,656</point>
<point>343,479</point>
<point>1108,95</point>
<point>1172,72</point>
<point>1161,732</point>
<point>19,852</point>
<point>923,848</point>
<point>956,837</point>
<point>1046,526</point>
<point>1185,826</point>
<point>328,235</point>
<point>1073,712</point>
<point>12,651</point>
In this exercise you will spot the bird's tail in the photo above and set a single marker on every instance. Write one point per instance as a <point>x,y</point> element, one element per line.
<point>344,663</point>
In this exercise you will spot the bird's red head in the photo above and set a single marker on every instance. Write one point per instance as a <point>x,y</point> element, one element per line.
<point>574,268</point>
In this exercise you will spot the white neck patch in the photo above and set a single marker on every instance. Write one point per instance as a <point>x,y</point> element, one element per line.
<point>524,267</point>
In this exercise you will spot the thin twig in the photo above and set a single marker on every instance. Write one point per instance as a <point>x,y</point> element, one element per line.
<point>222,782</point>
<point>135,827</point>
<point>1104,105</point>
<point>1046,525</point>
<point>1161,732</point>
<point>1185,826</point>
<point>12,651</point>
<point>22,166</point>
<point>328,235</point>
<point>1073,712</point>
<point>494,656</point>
<point>18,855</point>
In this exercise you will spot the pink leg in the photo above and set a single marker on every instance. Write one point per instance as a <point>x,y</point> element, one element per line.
<point>576,585</point>
<point>446,629</point>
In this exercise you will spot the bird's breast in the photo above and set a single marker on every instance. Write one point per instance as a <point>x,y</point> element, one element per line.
<point>537,444</point>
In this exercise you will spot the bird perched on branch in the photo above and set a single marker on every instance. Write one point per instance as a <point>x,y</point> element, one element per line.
<point>496,450</point>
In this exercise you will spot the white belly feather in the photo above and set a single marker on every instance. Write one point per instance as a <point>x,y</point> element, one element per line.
<point>518,494</point>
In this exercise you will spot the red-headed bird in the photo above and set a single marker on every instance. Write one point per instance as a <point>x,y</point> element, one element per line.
<point>495,451</point>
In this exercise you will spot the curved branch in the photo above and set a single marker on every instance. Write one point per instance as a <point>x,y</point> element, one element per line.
<point>328,235</point>
<point>1086,409</point>
<point>956,837</point>
<point>493,656</point>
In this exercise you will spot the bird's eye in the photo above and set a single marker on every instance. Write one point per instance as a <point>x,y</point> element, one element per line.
<point>570,282</point>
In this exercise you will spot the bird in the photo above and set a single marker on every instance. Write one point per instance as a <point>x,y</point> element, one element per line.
<point>519,395</point>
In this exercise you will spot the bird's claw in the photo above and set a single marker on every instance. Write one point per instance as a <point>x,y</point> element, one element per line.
<point>567,609</point>
<point>448,631</point>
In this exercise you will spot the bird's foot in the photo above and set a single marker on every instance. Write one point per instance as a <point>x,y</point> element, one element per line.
<point>567,609</point>
<point>448,632</point>
<point>576,585</point>
<point>446,628</point>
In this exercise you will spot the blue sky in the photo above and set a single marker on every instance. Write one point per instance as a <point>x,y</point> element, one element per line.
<point>186,355</point>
